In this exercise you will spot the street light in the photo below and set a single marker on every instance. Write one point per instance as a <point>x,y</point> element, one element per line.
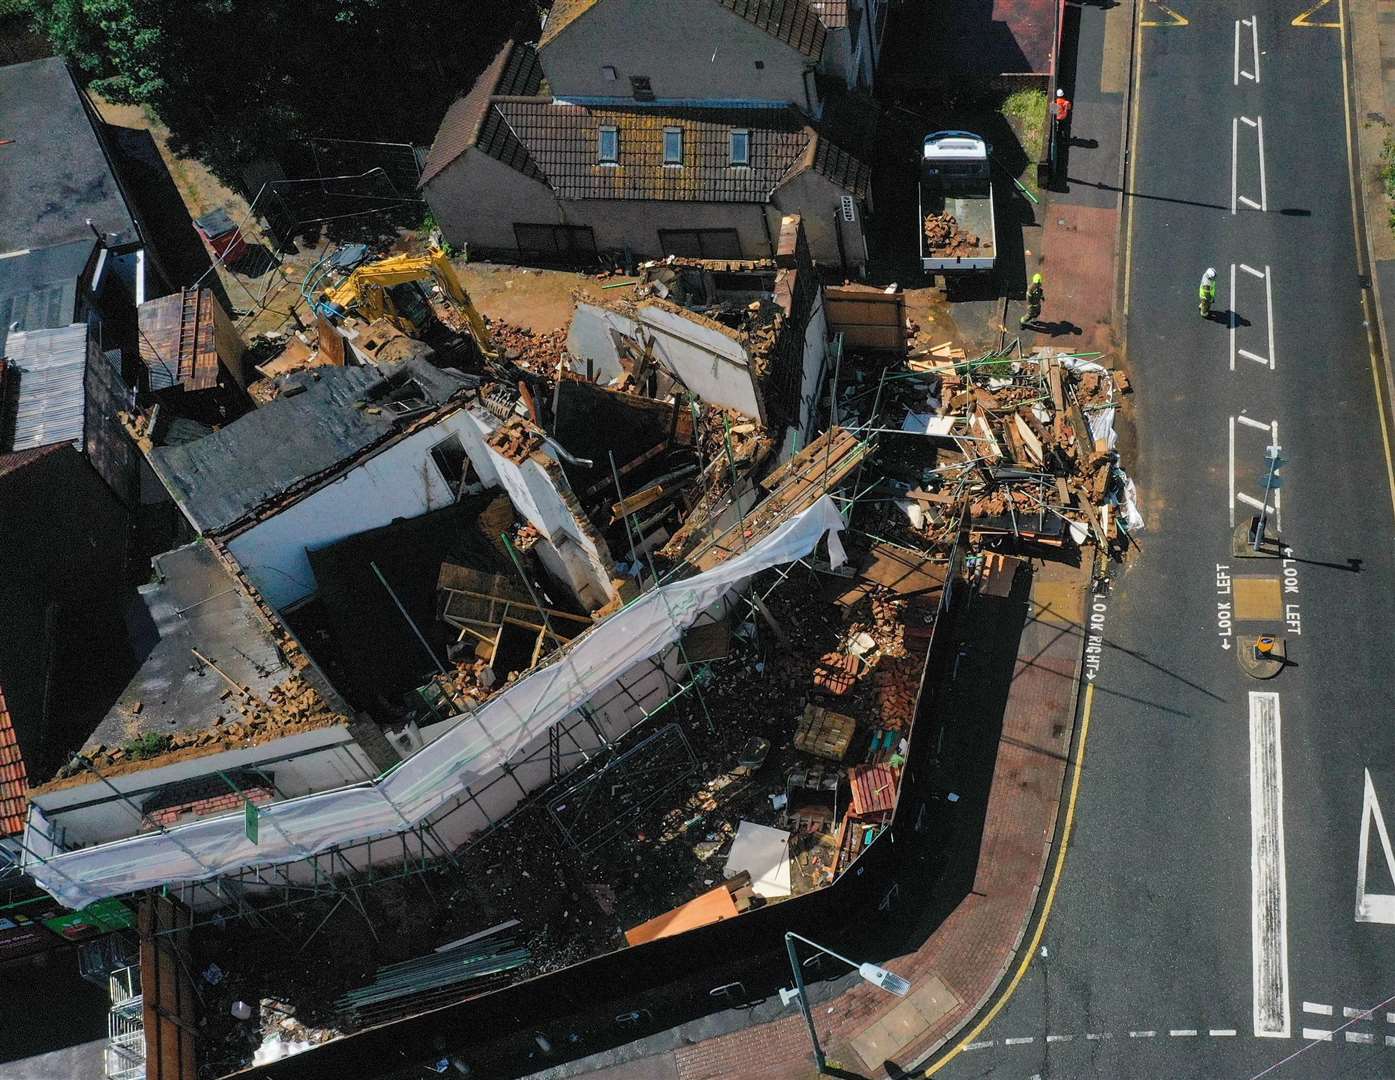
<point>878,976</point>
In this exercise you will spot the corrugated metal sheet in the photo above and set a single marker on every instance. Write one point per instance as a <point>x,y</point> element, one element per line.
<point>47,369</point>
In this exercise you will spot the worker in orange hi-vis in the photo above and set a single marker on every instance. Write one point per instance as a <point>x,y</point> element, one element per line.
<point>1060,111</point>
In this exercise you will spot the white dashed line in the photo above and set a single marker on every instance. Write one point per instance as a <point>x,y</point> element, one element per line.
<point>1221,1033</point>
<point>1059,1038</point>
<point>982,1045</point>
<point>1018,1042</point>
<point>1355,1014</point>
<point>1141,1034</point>
<point>1182,1033</point>
<point>1390,1018</point>
<point>1390,1040</point>
<point>1317,1035</point>
<point>1099,1035</point>
<point>1321,1010</point>
<point>1360,1037</point>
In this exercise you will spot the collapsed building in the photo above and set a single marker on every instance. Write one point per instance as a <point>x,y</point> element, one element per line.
<point>625,651</point>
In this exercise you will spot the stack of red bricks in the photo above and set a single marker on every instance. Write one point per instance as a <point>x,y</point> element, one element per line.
<point>897,682</point>
<point>218,804</point>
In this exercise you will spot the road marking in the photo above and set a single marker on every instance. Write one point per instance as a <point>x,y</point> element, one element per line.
<point>1253,20</point>
<point>1252,270</point>
<point>1269,899</point>
<point>1358,1014</point>
<point>1317,1035</point>
<point>1390,1018</point>
<point>1252,356</point>
<point>981,1045</point>
<point>1182,1033</point>
<point>1174,19</point>
<point>1249,202</point>
<point>1250,422</point>
<point>1076,767</point>
<point>1373,907</point>
<point>1222,1033</point>
<point>1059,1038</point>
<point>1099,1035</point>
<point>1141,1034</point>
<point>1234,160</point>
<point>1314,1007</point>
<point>1360,1037</point>
<point>1232,451</point>
<point>1019,1042</point>
<point>1237,53</point>
<point>1263,187</point>
<point>1268,288</point>
<point>1302,20</point>
<point>1131,162</point>
<point>1390,1040</point>
<point>1233,324</point>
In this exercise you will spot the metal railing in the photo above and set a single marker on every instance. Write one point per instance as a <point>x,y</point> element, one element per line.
<point>125,1049</point>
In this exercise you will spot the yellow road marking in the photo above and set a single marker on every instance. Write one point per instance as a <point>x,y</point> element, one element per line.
<point>1372,316</point>
<point>1174,18</point>
<point>1302,20</point>
<point>1132,173</point>
<point>1050,895</point>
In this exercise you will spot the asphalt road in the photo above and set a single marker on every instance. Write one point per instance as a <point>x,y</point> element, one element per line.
<point>1206,917</point>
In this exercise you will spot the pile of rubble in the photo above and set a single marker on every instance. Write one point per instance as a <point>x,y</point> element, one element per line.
<point>1035,450</point>
<point>943,235</point>
<point>535,351</point>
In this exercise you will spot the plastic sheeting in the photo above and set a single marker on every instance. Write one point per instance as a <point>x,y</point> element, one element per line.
<point>424,783</point>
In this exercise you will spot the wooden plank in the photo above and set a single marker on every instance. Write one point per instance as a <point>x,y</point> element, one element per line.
<point>1058,394</point>
<point>638,501</point>
<point>1028,438</point>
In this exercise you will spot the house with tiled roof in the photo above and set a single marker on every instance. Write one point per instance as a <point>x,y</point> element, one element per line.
<point>518,170</point>
<point>732,50</point>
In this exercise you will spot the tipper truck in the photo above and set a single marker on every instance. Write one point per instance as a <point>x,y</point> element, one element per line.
<point>957,228</point>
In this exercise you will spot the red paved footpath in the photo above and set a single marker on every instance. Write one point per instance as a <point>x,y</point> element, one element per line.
<point>959,966</point>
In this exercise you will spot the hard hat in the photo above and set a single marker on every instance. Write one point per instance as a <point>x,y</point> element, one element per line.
<point>1060,93</point>
<point>1036,279</point>
<point>1210,272</point>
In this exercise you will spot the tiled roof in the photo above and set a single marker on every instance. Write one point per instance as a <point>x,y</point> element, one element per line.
<point>469,121</point>
<point>832,13</point>
<point>795,22</point>
<point>846,171</point>
<point>562,13</point>
<point>792,21</point>
<point>14,778</point>
<point>12,462</point>
<point>562,140</point>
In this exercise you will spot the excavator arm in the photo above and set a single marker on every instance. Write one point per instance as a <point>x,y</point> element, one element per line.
<point>367,292</point>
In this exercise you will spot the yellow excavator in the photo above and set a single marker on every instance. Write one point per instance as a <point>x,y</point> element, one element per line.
<point>391,288</point>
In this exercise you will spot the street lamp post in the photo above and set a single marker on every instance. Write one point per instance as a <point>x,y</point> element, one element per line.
<point>878,976</point>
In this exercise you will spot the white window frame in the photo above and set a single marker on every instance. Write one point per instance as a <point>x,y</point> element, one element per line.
<point>745,134</point>
<point>672,161</point>
<point>614,133</point>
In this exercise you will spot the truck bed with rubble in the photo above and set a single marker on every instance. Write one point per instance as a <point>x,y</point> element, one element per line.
<point>957,227</point>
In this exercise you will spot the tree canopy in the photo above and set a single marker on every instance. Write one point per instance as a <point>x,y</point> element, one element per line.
<point>238,80</point>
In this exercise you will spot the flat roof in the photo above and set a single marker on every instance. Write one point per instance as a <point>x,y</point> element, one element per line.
<point>223,477</point>
<point>56,175</point>
<point>194,604</point>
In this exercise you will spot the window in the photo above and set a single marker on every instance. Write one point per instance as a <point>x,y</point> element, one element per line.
<point>700,243</point>
<point>641,88</point>
<point>608,146</point>
<point>609,73</point>
<point>741,148</point>
<point>760,65</point>
<point>451,461</point>
<point>673,146</point>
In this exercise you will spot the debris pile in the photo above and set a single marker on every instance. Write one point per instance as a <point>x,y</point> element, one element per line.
<point>537,351</point>
<point>1033,450</point>
<point>944,236</point>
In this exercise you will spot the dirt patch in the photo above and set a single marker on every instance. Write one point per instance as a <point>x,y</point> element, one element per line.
<point>539,300</point>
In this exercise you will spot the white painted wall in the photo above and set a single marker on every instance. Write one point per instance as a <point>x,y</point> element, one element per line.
<point>92,813</point>
<point>400,482</point>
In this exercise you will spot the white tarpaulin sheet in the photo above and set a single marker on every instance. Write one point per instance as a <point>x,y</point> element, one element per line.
<point>425,782</point>
<point>764,853</point>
